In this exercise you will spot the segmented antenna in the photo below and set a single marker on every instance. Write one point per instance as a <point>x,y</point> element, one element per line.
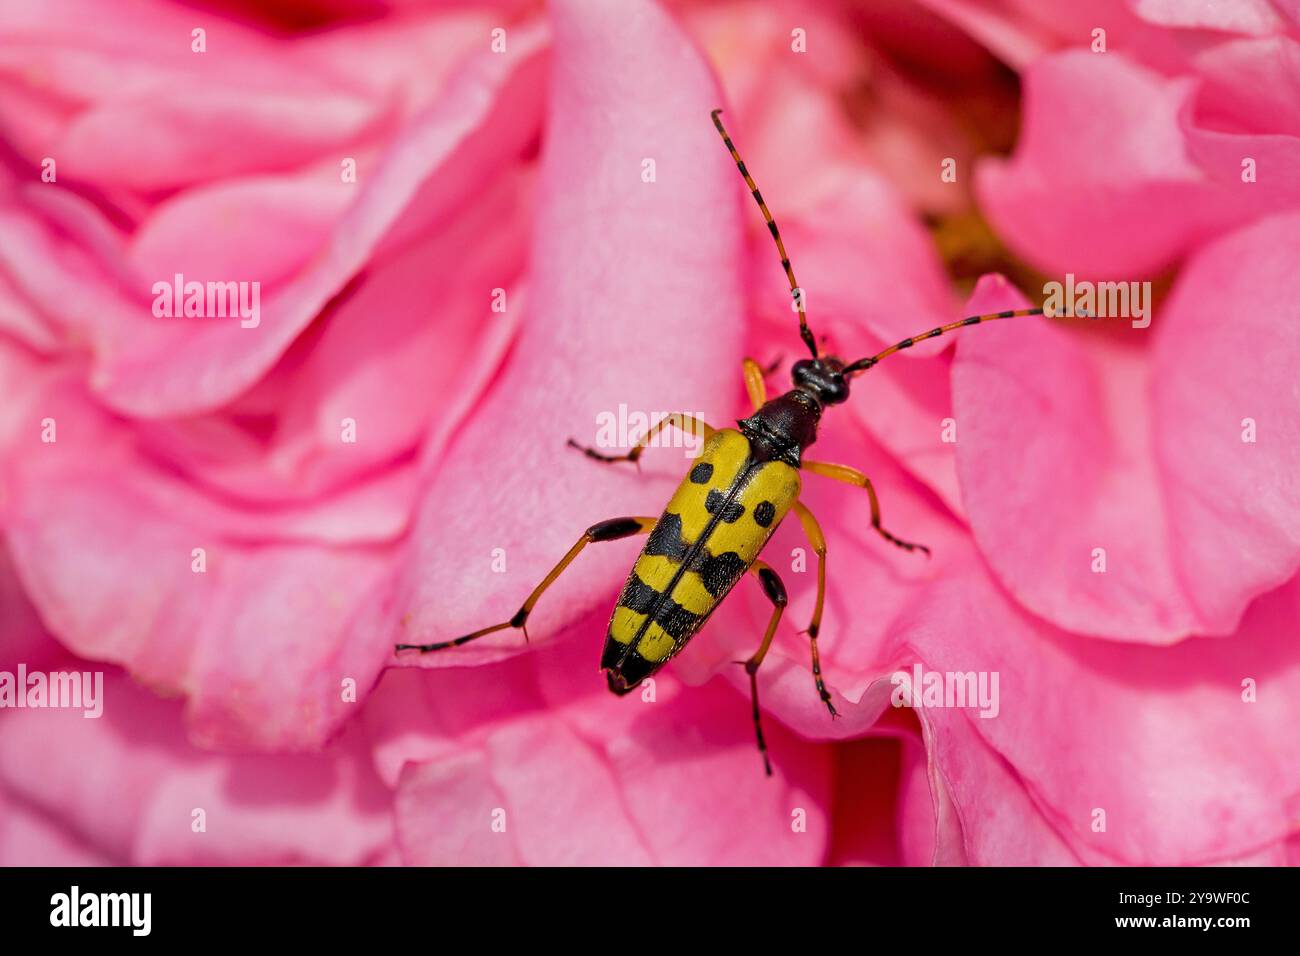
<point>795,291</point>
<point>861,365</point>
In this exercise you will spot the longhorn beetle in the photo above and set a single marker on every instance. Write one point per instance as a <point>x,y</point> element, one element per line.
<point>725,510</point>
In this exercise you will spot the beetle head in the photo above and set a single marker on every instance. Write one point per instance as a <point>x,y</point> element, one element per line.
<point>822,378</point>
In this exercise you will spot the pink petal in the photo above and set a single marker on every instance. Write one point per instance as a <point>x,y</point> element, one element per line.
<point>270,226</point>
<point>404,377</point>
<point>1230,353</point>
<point>104,545</point>
<point>278,129</point>
<point>1017,40</point>
<point>1163,488</point>
<point>989,816</point>
<point>1290,8</point>
<point>153,366</point>
<point>1246,109</point>
<point>1022,31</point>
<point>1168,743</point>
<point>23,639</point>
<point>19,320</point>
<point>580,777</point>
<point>1056,461</point>
<point>615,318</point>
<point>1240,16</point>
<point>133,69</point>
<point>321,809</point>
<point>402,59</point>
<point>868,797</point>
<point>29,838</point>
<point>1101,148</point>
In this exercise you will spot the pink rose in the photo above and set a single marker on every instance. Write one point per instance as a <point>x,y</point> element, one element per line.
<point>476,231</point>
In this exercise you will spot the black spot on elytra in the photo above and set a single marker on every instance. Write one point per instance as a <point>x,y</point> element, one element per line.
<point>713,504</point>
<point>764,513</point>
<point>701,473</point>
<point>666,539</point>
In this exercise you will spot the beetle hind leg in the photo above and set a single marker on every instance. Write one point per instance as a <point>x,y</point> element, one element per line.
<point>774,588</point>
<point>611,530</point>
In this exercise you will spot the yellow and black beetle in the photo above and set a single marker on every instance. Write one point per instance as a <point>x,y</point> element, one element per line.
<point>738,490</point>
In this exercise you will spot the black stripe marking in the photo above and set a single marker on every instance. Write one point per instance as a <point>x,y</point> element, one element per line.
<point>771,225</point>
<point>973,320</point>
<point>696,555</point>
<point>637,595</point>
<point>675,620</point>
<point>906,344</point>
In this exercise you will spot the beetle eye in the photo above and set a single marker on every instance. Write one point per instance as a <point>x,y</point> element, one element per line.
<point>801,371</point>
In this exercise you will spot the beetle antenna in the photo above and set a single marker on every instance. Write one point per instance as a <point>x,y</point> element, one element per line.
<point>861,365</point>
<point>795,291</point>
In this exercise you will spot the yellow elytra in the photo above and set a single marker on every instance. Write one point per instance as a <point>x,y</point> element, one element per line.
<point>725,510</point>
<point>714,526</point>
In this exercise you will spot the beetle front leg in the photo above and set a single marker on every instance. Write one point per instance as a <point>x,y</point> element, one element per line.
<point>687,424</point>
<point>611,530</point>
<point>755,387</point>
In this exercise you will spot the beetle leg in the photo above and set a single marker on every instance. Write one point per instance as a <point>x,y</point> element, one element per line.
<point>852,476</point>
<point>754,384</point>
<point>682,422</point>
<point>611,530</point>
<point>815,537</point>
<point>775,591</point>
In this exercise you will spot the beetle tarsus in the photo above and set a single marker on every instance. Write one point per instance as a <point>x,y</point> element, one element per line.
<point>601,456</point>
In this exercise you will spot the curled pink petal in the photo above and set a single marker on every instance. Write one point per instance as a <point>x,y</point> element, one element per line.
<point>1228,437</point>
<point>1100,148</point>
<point>617,294</point>
<point>171,804</point>
<point>549,769</point>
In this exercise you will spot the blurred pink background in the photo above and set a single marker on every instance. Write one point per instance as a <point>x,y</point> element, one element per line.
<point>460,262</point>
